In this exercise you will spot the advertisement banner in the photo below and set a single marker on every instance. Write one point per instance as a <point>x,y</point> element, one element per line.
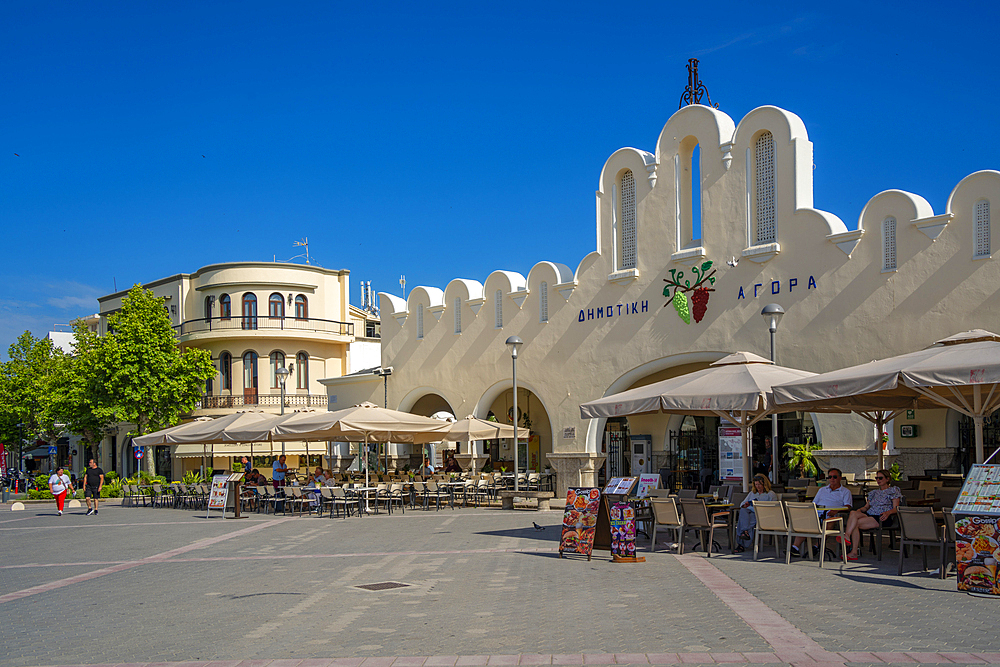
<point>977,531</point>
<point>580,521</point>
<point>646,482</point>
<point>623,530</point>
<point>730,453</point>
<point>220,492</point>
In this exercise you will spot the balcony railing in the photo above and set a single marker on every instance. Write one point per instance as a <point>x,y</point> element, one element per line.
<point>255,322</point>
<point>253,399</point>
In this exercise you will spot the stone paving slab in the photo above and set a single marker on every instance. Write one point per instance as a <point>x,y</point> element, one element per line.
<point>484,588</point>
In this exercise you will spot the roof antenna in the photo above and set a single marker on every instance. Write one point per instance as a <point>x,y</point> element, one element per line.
<point>303,242</point>
<point>695,88</point>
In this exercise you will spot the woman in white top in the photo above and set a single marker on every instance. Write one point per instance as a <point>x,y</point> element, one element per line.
<point>59,484</point>
<point>748,519</point>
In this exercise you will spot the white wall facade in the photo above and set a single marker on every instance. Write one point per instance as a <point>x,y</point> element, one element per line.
<point>607,325</point>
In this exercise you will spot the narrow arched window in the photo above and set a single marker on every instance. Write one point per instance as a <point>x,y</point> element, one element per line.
<point>276,306</point>
<point>277,361</point>
<point>889,244</point>
<point>764,215</point>
<point>302,370</point>
<point>420,320</point>
<point>208,308</point>
<point>543,302</point>
<point>458,315</point>
<point>498,307</point>
<point>982,229</point>
<point>626,221</point>
<point>225,307</point>
<point>249,310</point>
<point>250,378</point>
<point>226,371</point>
<point>301,308</point>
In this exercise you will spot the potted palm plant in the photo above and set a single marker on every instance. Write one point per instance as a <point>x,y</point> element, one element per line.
<point>799,458</point>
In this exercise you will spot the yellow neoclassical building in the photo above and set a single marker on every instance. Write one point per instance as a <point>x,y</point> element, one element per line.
<point>254,318</point>
<point>693,238</point>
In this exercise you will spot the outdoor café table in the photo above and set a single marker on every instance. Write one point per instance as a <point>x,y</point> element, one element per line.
<point>363,492</point>
<point>715,507</point>
<point>921,502</point>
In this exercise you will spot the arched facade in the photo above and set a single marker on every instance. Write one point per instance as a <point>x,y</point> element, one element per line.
<point>690,298</point>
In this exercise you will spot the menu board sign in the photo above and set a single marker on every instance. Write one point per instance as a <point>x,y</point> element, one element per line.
<point>220,492</point>
<point>730,453</point>
<point>646,482</point>
<point>623,530</point>
<point>977,551</point>
<point>580,521</point>
<point>981,492</point>
<point>619,486</point>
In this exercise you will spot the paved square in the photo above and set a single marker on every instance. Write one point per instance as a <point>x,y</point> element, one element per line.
<point>143,585</point>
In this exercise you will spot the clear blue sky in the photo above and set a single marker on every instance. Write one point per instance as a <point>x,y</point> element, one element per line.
<point>427,139</point>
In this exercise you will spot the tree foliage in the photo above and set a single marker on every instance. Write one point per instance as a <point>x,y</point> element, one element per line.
<point>135,374</point>
<point>142,376</point>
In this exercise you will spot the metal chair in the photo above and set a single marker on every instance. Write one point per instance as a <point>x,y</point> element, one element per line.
<point>917,527</point>
<point>666,514</point>
<point>697,518</point>
<point>771,520</point>
<point>804,522</point>
<point>687,494</point>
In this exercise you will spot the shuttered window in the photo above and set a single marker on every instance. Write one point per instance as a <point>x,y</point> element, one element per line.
<point>458,315</point>
<point>764,186</point>
<point>889,244</point>
<point>543,303</point>
<point>498,306</point>
<point>982,229</point>
<point>627,252</point>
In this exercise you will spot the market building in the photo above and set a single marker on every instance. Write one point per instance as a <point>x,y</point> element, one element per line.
<point>693,239</point>
<point>256,318</point>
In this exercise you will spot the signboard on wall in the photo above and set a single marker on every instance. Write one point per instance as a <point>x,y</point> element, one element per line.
<point>730,453</point>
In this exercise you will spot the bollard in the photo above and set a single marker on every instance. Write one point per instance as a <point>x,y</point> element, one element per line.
<point>5,495</point>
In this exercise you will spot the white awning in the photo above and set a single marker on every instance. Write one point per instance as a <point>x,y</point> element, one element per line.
<point>243,449</point>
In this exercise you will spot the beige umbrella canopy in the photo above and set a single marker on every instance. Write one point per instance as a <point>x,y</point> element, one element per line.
<point>736,388</point>
<point>474,428</point>
<point>202,430</point>
<point>961,372</point>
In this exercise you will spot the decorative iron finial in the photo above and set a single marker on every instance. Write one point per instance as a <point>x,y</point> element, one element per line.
<point>695,88</point>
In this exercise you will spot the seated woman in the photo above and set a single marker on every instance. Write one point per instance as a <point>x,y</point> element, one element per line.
<point>747,520</point>
<point>880,509</point>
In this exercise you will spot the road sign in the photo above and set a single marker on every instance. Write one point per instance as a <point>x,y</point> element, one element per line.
<point>138,452</point>
<point>52,450</point>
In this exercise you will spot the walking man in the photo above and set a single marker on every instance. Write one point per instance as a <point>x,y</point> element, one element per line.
<point>59,483</point>
<point>93,482</point>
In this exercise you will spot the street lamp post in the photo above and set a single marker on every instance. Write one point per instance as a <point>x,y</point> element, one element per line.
<point>385,373</point>
<point>282,374</point>
<point>772,314</point>
<point>514,342</point>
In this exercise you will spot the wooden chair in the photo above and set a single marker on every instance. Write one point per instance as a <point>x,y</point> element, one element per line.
<point>804,522</point>
<point>697,518</point>
<point>666,514</point>
<point>771,520</point>
<point>917,527</point>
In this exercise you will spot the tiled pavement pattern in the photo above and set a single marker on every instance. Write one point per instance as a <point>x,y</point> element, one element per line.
<point>170,586</point>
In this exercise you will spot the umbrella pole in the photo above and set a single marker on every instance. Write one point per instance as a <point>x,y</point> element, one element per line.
<point>745,432</point>
<point>977,420</point>
<point>879,428</point>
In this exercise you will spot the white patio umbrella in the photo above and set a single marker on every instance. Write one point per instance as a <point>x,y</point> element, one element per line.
<point>960,372</point>
<point>736,388</point>
<point>473,428</point>
<point>365,422</point>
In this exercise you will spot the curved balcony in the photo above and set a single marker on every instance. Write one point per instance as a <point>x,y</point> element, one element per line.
<point>249,325</point>
<point>251,398</point>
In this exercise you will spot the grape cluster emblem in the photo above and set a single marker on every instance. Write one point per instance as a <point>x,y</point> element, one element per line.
<point>677,289</point>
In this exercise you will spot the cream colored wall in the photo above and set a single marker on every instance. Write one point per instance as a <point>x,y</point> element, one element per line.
<point>931,429</point>
<point>854,313</point>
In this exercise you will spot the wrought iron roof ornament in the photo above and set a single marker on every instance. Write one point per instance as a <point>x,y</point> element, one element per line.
<point>695,88</point>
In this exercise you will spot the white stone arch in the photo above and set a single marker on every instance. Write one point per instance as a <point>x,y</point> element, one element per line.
<point>905,206</point>
<point>626,380</point>
<point>410,399</point>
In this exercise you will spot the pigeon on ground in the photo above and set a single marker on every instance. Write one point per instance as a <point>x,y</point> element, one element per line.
<point>537,527</point>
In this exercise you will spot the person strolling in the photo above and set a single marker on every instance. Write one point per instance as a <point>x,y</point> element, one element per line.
<point>59,484</point>
<point>747,521</point>
<point>880,509</point>
<point>93,482</point>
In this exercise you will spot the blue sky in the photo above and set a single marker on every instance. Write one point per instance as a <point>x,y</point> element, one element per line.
<point>435,140</point>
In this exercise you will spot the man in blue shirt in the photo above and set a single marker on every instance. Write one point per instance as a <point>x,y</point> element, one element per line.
<point>278,470</point>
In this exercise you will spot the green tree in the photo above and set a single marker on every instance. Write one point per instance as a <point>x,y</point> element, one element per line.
<point>77,392</point>
<point>34,367</point>
<point>142,376</point>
